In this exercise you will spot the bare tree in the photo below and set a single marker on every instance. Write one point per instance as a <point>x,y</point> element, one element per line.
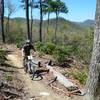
<point>11,10</point>
<point>31,12</point>
<point>41,20</point>
<point>0,17</point>
<point>2,20</point>
<point>93,81</point>
<point>26,5</point>
<point>27,17</point>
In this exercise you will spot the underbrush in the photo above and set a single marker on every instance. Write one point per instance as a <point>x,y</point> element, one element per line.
<point>2,56</point>
<point>8,77</point>
<point>46,48</point>
<point>60,53</point>
<point>77,45</point>
<point>81,76</point>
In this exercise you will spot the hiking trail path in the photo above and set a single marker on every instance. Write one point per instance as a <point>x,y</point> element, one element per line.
<point>35,89</point>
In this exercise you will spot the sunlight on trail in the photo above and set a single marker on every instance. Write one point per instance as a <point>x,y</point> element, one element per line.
<point>33,87</point>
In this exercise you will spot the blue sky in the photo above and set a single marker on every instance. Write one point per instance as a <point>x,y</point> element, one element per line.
<point>79,10</point>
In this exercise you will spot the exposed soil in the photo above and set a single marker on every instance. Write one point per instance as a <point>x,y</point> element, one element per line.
<point>31,89</point>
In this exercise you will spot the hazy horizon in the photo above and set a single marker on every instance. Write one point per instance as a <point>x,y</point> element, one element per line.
<point>79,10</point>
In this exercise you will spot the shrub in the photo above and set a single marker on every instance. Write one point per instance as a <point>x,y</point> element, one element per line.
<point>81,76</point>
<point>8,77</point>
<point>46,48</point>
<point>84,53</point>
<point>2,56</point>
<point>61,53</point>
<point>39,46</point>
<point>49,48</point>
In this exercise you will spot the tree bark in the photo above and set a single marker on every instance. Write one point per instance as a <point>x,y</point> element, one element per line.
<point>41,21</point>
<point>2,19</point>
<point>48,22</point>
<point>56,27</point>
<point>27,17</point>
<point>7,24</point>
<point>93,81</point>
<point>31,30</point>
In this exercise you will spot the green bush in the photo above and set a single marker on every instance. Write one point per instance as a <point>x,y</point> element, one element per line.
<point>61,53</point>
<point>2,56</point>
<point>82,45</point>
<point>81,76</point>
<point>46,48</point>
<point>8,77</point>
<point>39,46</point>
<point>84,53</point>
<point>49,48</point>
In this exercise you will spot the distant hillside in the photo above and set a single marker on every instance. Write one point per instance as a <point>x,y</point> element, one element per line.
<point>86,23</point>
<point>62,24</point>
<point>66,26</point>
<point>18,25</point>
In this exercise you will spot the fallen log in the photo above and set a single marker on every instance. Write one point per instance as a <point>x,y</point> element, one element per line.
<point>73,87</point>
<point>60,78</point>
<point>63,80</point>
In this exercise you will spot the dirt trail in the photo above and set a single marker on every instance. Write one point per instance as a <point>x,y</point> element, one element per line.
<point>35,88</point>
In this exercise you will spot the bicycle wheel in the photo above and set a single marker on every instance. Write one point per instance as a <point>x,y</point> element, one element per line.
<point>25,65</point>
<point>36,76</point>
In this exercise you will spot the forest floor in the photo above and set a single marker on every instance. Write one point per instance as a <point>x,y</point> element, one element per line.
<point>32,89</point>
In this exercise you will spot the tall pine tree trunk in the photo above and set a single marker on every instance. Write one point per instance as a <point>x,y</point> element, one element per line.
<point>31,27</point>
<point>56,27</point>
<point>48,22</point>
<point>27,18</point>
<point>41,21</point>
<point>7,24</point>
<point>2,20</point>
<point>93,81</point>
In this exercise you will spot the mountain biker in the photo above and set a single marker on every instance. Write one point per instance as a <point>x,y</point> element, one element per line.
<point>26,49</point>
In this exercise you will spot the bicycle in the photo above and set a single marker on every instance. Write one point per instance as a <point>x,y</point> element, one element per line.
<point>31,67</point>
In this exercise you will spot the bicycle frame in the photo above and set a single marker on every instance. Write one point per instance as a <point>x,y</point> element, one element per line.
<point>31,65</point>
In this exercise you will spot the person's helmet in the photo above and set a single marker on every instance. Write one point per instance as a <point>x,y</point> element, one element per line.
<point>27,41</point>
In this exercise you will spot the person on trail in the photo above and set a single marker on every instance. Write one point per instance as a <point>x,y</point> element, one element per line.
<point>26,49</point>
